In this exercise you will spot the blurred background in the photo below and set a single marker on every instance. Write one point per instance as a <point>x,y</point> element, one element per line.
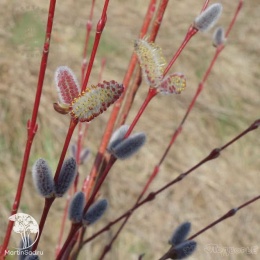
<point>228,104</point>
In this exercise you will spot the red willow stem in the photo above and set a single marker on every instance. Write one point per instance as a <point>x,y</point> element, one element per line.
<point>148,17</point>
<point>201,85</point>
<point>100,182</point>
<point>83,70</point>
<point>64,218</point>
<point>132,90</point>
<point>158,20</point>
<point>191,32</point>
<point>212,155</point>
<point>47,205</point>
<point>81,135</point>
<point>138,79</point>
<point>31,125</point>
<point>103,64</point>
<point>88,30</point>
<point>229,214</point>
<point>151,93</point>
<point>73,124</point>
<point>192,103</point>
<point>86,188</point>
<point>73,230</point>
<point>240,4</point>
<point>205,5</point>
<point>117,106</point>
<point>99,29</point>
<point>79,143</point>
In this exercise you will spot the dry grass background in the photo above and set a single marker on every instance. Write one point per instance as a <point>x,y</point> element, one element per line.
<point>229,103</point>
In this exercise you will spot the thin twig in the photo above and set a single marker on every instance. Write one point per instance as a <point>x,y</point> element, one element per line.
<point>229,214</point>
<point>212,155</point>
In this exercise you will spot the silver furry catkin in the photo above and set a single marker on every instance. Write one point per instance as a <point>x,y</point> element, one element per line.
<point>42,178</point>
<point>208,18</point>
<point>129,146</point>
<point>180,234</point>
<point>76,207</point>
<point>95,212</point>
<point>218,37</point>
<point>117,137</point>
<point>66,177</point>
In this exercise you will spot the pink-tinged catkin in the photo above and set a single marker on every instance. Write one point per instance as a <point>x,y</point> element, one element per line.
<point>95,212</point>
<point>66,84</point>
<point>76,207</point>
<point>172,84</point>
<point>95,100</point>
<point>151,61</point>
<point>208,18</point>
<point>42,178</point>
<point>66,177</point>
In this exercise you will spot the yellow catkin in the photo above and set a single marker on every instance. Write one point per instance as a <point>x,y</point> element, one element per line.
<point>95,100</point>
<point>151,61</point>
<point>173,84</point>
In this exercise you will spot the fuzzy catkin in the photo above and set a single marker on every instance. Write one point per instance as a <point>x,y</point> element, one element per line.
<point>42,178</point>
<point>66,177</point>
<point>208,18</point>
<point>95,212</point>
<point>117,137</point>
<point>172,84</point>
<point>151,61</point>
<point>180,234</point>
<point>66,84</point>
<point>76,207</point>
<point>218,37</point>
<point>129,146</point>
<point>95,100</point>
